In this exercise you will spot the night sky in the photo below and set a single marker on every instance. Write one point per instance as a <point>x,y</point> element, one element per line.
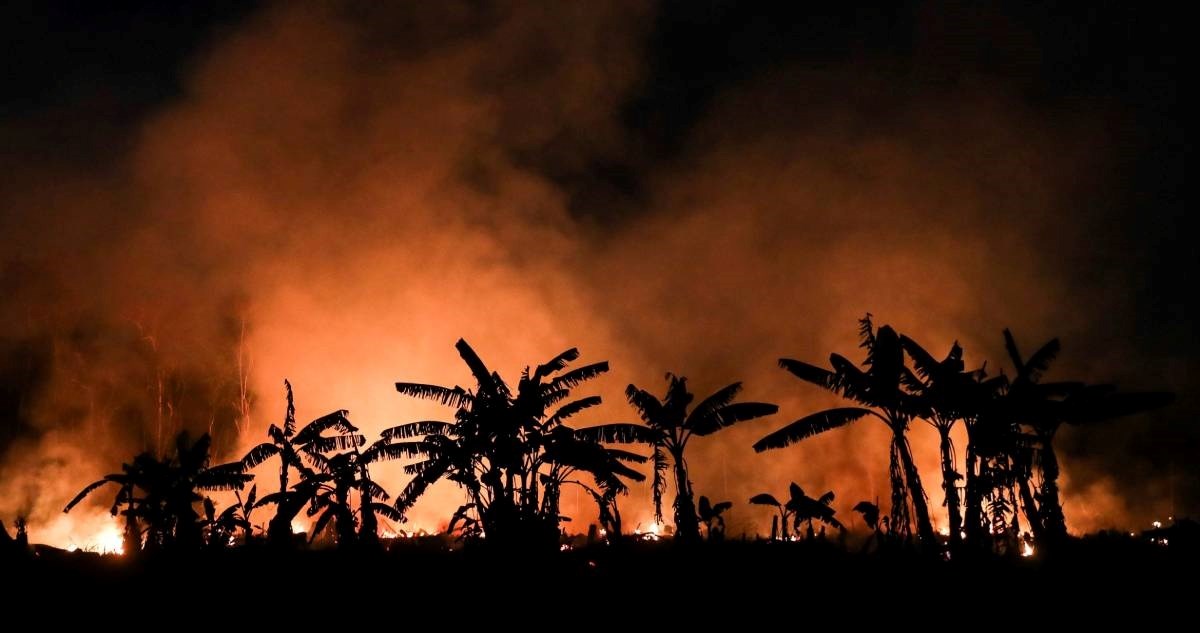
<point>697,187</point>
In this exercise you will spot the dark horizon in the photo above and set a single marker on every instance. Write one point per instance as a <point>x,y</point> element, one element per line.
<point>201,203</point>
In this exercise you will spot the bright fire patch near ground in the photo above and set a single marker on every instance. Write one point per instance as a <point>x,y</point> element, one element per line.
<point>110,542</point>
<point>652,533</point>
<point>1027,549</point>
<point>107,542</point>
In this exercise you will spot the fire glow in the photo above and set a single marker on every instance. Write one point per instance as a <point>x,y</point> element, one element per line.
<point>107,542</point>
<point>335,329</point>
<point>652,533</point>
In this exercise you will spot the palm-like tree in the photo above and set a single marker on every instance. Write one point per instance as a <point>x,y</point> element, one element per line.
<point>1089,405</point>
<point>668,429</point>
<point>511,451</point>
<point>372,496</point>
<point>1045,407</point>
<point>300,450</point>
<point>168,491</point>
<point>1026,401</point>
<point>880,389</point>
<point>125,503</point>
<point>710,516</point>
<point>327,489</point>
<point>331,499</point>
<point>1014,435</point>
<point>951,394</point>
<point>992,444</point>
<point>187,475</point>
<point>568,451</point>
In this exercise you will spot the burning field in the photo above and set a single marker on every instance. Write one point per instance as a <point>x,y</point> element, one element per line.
<point>198,208</point>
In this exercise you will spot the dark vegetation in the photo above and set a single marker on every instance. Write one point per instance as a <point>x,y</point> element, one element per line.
<point>513,450</point>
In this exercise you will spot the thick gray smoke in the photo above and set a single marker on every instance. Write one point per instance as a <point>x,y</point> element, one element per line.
<point>339,195</point>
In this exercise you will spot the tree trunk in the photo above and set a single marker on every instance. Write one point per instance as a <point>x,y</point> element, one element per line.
<point>1032,512</point>
<point>950,479</point>
<point>187,535</point>
<point>900,528</point>
<point>687,525</point>
<point>283,475</point>
<point>531,492</point>
<point>916,492</point>
<point>279,528</point>
<point>1012,536</point>
<point>1053,520</point>
<point>974,517</point>
<point>344,518</point>
<point>368,529</point>
<point>133,534</point>
<point>551,501</point>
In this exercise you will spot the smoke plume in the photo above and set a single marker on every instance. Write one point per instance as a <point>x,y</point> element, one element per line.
<point>341,192</point>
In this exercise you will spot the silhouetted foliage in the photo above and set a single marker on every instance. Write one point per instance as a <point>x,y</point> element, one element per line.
<point>710,516</point>
<point>881,389</point>
<point>510,451</point>
<point>669,427</point>
<point>221,529</point>
<point>1032,412</point>
<point>800,508</point>
<point>161,494</point>
<point>331,489</point>
<point>303,451</point>
<point>950,394</point>
<point>869,512</point>
<point>781,526</point>
<point>513,452</point>
<point>17,545</point>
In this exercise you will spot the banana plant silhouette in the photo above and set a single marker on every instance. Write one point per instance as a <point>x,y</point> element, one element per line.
<point>510,451</point>
<point>608,514</point>
<point>222,528</point>
<point>784,520</point>
<point>870,516</point>
<point>164,492</point>
<point>669,426</point>
<point>880,389</point>
<point>329,494</point>
<point>710,516</point>
<point>800,508</point>
<point>567,451</point>
<point>134,475</point>
<point>952,394</point>
<point>300,450</point>
<point>1045,407</point>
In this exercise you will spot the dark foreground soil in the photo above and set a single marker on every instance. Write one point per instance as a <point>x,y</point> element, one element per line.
<point>648,586</point>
